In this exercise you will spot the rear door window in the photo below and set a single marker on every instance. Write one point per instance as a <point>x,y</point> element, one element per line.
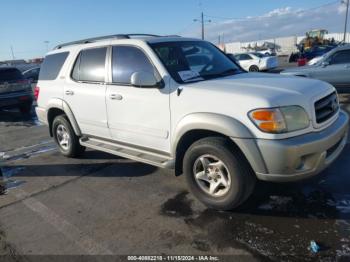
<point>52,66</point>
<point>9,75</point>
<point>90,65</point>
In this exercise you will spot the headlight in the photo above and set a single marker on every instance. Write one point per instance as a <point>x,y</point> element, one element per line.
<point>280,120</point>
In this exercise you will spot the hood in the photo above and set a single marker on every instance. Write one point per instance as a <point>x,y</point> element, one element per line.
<point>263,85</point>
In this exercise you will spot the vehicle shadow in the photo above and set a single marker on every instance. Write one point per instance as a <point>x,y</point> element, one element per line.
<point>12,116</point>
<point>123,168</point>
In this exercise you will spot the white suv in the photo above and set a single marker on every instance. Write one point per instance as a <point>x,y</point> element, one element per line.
<point>183,104</point>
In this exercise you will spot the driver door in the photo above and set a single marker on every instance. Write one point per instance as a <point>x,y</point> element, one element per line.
<point>138,116</point>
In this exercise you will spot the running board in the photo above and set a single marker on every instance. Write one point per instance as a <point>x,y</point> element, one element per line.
<point>125,151</point>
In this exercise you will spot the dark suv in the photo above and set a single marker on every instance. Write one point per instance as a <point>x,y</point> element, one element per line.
<point>15,90</point>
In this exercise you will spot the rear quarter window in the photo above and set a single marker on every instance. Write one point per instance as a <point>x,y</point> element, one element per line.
<point>52,66</point>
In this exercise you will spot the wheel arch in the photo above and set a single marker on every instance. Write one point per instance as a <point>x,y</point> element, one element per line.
<point>200,125</point>
<point>58,107</point>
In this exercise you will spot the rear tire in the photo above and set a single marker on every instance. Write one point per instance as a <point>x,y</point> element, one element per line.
<point>218,174</point>
<point>254,68</point>
<point>65,138</point>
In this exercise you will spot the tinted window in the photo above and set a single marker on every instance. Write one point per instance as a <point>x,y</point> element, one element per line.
<point>245,57</point>
<point>32,74</point>
<point>90,65</point>
<point>10,74</point>
<point>127,60</point>
<point>52,66</point>
<point>341,57</point>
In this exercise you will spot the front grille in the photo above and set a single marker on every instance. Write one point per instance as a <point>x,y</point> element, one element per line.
<point>326,108</point>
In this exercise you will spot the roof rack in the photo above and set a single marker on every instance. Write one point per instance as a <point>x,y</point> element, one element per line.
<point>100,38</point>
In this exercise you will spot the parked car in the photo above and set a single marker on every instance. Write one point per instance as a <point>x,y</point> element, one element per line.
<point>255,62</point>
<point>150,100</point>
<point>333,68</point>
<point>32,75</point>
<point>15,90</point>
<point>317,51</point>
<point>311,53</point>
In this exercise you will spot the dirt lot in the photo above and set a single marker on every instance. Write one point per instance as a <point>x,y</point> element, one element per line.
<point>104,205</point>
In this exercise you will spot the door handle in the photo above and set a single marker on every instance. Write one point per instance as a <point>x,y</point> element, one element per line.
<point>69,92</point>
<point>115,96</point>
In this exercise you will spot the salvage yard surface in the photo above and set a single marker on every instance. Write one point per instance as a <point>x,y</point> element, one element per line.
<point>100,204</point>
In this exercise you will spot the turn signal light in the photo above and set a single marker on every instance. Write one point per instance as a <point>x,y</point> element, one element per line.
<point>269,120</point>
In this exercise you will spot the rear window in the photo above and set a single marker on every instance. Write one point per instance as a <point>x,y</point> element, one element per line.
<point>11,74</point>
<point>52,66</point>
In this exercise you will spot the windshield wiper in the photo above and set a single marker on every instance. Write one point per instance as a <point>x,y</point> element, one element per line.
<point>228,72</point>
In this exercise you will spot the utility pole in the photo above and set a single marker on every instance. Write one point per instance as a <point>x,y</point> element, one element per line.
<point>13,55</point>
<point>47,45</point>
<point>202,21</point>
<point>202,18</point>
<point>346,18</point>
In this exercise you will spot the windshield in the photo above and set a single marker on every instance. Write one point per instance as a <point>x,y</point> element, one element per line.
<point>189,61</point>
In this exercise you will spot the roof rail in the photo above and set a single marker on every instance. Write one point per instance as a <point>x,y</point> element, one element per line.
<point>100,38</point>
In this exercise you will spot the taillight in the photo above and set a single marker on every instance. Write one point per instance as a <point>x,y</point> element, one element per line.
<point>36,93</point>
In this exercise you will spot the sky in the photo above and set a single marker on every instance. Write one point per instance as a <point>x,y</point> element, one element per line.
<point>27,24</point>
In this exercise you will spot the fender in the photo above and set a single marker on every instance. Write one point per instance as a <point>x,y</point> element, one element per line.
<point>227,126</point>
<point>222,124</point>
<point>61,104</point>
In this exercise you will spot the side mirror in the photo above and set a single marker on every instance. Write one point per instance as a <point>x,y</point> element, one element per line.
<point>143,79</point>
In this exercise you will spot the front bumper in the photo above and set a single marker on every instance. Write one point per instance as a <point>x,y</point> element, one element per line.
<point>304,156</point>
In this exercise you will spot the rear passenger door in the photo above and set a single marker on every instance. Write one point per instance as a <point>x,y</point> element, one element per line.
<point>137,116</point>
<point>85,91</point>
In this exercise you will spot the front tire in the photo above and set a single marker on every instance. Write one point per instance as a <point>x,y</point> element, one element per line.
<point>218,174</point>
<point>65,137</point>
